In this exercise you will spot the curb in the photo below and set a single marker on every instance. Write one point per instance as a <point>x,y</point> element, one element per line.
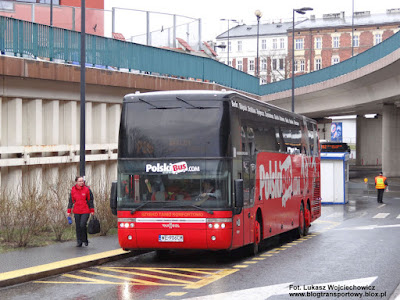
<point>55,268</point>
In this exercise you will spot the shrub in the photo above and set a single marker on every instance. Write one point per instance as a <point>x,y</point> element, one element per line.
<point>30,214</point>
<point>57,196</point>
<point>101,192</point>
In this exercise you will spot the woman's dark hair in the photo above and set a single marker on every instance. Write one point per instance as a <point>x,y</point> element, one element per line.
<point>77,177</point>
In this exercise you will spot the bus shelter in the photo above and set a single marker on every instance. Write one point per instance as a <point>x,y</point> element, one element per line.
<point>334,177</point>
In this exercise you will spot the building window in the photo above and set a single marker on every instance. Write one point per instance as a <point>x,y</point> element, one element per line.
<point>223,48</point>
<point>240,46</point>
<point>264,44</point>
<point>335,60</point>
<point>263,64</point>
<point>335,42</point>
<point>299,45</point>
<point>356,41</point>
<point>318,43</point>
<point>274,43</point>
<point>317,64</point>
<point>282,43</point>
<point>230,46</point>
<point>281,63</point>
<point>274,64</point>
<point>378,38</point>
<point>251,65</point>
<point>295,66</point>
<point>302,66</point>
<point>240,65</point>
<point>230,63</point>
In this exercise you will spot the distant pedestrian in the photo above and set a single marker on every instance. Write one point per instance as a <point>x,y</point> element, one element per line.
<point>380,185</point>
<point>81,200</point>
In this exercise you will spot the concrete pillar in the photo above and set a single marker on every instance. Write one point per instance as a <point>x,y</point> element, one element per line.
<point>369,139</point>
<point>51,123</point>
<point>99,176</point>
<point>89,125</point>
<point>113,118</point>
<point>51,176</point>
<point>359,141</point>
<point>32,122</point>
<point>391,140</point>
<point>70,123</point>
<point>100,123</point>
<point>13,179</point>
<point>14,122</point>
<point>33,178</point>
<point>112,171</point>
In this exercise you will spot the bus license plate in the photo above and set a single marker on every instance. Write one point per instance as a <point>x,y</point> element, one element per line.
<point>170,238</point>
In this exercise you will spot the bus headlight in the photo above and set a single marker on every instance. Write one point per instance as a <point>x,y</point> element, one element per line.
<point>209,225</point>
<point>216,225</point>
<point>223,225</point>
<point>129,237</point>
<point>213,238</point>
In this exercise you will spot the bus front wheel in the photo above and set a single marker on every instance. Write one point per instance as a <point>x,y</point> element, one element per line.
<point>255,247</point>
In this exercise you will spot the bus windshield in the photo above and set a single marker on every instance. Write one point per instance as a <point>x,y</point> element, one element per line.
<point>170,184</point>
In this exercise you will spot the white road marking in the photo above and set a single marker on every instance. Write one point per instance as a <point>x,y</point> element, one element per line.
<point>264,292</point>
<point>382,205</point>
<point>381,216</point>
<point>398,217</point>
<point>369,227</point>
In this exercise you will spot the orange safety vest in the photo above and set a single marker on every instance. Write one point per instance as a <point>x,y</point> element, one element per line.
<point>380,182</point>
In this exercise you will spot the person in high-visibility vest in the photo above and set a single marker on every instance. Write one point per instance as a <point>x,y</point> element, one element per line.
<point>380,185</point>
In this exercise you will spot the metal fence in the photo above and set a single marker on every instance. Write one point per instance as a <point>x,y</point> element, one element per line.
<point>27,39</point>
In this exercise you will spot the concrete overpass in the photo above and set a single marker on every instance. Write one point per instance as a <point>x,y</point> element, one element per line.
<point>372,89</point>
<point>39,109</point>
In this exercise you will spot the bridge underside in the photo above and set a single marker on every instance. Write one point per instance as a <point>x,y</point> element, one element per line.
<point>373,89</point>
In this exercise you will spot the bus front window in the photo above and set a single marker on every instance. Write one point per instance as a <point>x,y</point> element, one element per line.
<point>204,188</point>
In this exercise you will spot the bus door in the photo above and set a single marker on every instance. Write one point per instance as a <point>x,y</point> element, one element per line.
<point>248,171</point>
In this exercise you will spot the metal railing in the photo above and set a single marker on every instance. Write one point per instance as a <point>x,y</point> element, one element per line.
<point>27,39</point>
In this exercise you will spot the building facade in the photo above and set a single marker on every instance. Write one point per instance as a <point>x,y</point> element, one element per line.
<point>66,13</point>
<point>318,43</point>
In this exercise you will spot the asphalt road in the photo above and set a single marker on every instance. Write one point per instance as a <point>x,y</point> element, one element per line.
<point>351,253</point>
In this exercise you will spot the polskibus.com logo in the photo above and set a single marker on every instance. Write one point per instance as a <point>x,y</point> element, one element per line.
<point>176,168</point>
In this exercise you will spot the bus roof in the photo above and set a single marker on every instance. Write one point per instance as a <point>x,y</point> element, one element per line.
<point>222,95</point>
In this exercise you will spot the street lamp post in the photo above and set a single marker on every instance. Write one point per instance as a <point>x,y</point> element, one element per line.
<point>301,11</point>
<point>258,14</point>
<point>233,20</point>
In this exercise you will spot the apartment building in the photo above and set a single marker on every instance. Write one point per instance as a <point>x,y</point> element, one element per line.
<point>272,53</point>
<point>318,43</point>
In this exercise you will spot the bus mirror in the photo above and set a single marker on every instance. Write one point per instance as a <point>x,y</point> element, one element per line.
<point>113,198</point>
<point>239,193</point>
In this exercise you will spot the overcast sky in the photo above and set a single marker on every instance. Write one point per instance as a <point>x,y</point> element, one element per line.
<point>211,11</point>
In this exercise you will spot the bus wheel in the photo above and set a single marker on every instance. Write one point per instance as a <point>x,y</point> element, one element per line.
<point>257,239</point>
<point>302,222</point>
<point>307,218</point>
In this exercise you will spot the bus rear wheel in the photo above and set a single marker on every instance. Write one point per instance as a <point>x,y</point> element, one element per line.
<point>302,222</point>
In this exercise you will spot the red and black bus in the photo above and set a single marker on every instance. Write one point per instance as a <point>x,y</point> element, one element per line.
<point>212,170</point>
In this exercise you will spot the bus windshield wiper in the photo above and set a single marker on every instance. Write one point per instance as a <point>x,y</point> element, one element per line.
<point>155,106</point>
<point>144,204</point>
<point>194,106</point>
<point>200,208</point>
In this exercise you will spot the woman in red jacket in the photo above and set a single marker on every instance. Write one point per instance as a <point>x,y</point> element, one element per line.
<point>81,198</point>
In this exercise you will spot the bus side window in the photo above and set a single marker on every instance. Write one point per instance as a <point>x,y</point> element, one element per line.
<point>280,140</point>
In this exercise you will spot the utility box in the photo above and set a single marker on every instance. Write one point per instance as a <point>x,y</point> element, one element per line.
<point>334,177</point>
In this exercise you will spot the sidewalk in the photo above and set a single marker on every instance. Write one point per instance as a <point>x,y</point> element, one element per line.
<point>34,263</point>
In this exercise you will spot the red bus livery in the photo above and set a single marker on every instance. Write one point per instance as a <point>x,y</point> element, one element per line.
<point>212,170</point>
